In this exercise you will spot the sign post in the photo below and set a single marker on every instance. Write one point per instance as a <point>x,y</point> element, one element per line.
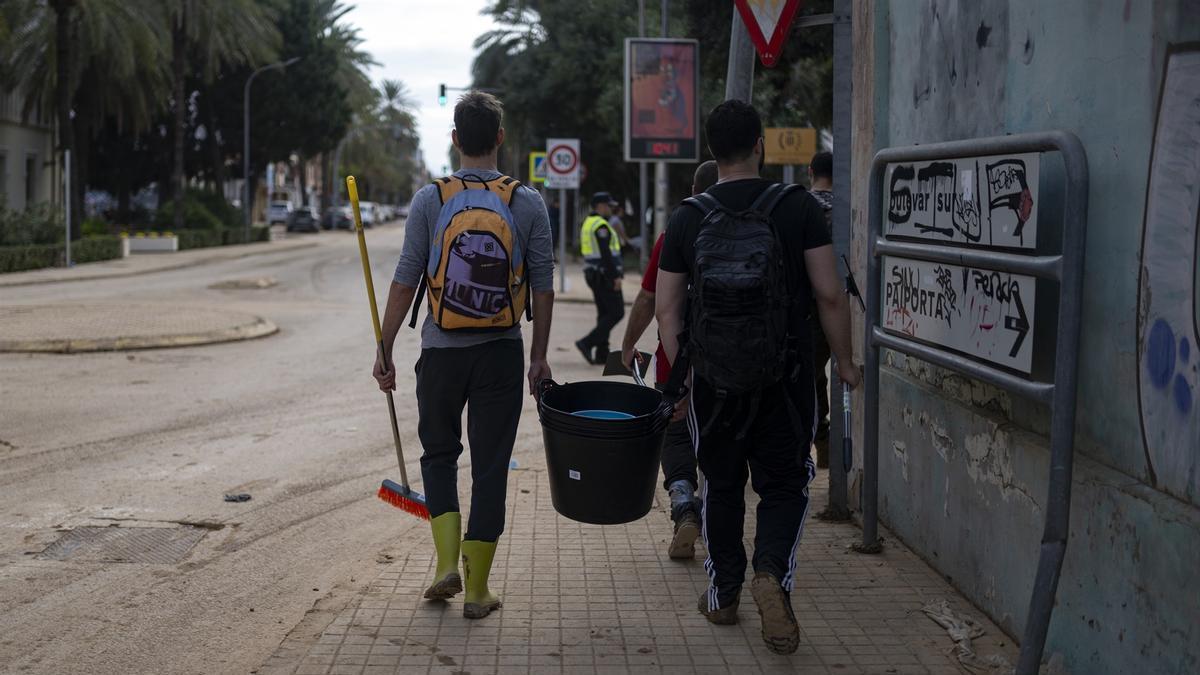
<point>562,173</point>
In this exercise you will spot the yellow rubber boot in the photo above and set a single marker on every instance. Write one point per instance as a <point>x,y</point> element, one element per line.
<point>477,564</point>
<point>447,532</point>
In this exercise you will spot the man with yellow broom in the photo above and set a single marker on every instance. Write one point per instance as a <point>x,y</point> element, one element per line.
<point>479,247</point>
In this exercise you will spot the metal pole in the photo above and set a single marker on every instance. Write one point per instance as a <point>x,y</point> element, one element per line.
<point>562,240</point>
<point>843,62</point>
<point>246,205</point>
<point>67,180</point>
<point>739,75</point>
<point>789,173</point>
<point>647,233</point>
<point>661,182</point>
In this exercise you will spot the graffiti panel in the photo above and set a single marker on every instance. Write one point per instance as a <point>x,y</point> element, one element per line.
<point>985,201</point>
<point>1168,362</point>
<point>981,313</point>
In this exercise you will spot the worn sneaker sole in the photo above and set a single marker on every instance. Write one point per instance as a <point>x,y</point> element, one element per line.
<point>726,616</point>
<point>475,610</point>
<point>683,544</point>
<point>445,589</point>
<point>779,629</point>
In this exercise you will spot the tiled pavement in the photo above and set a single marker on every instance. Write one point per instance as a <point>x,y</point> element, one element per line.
<point>590,599</point>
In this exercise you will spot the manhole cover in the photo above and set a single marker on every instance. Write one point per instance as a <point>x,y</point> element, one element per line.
<point>155,545</point>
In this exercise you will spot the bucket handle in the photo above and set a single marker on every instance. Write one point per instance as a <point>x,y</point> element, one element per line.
<point>544,386</point>
<point>637,377</point>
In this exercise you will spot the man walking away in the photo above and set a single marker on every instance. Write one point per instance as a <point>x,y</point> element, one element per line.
<point>678,456</point>
<point>820,177</point>
<point>753,253</point>
<point>480,243</point>
<point>601,249</point>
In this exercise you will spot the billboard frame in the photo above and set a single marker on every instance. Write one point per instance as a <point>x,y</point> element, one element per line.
<point>630,156</point>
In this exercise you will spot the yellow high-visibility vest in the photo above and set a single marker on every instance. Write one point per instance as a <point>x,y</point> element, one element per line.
<point>588,246</point>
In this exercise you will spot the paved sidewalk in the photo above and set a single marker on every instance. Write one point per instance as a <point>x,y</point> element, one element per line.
<point>146,263</point>
<point>70,328</point>
<point>577,288</point>
<point>590,599</point>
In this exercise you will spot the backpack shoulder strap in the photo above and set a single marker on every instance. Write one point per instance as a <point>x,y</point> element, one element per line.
<point>771,197</point>
<point>448,187</point>
<point>704,203</point>
<point>505,188</point>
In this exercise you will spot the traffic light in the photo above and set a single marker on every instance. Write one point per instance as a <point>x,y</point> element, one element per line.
<point>441,94</point>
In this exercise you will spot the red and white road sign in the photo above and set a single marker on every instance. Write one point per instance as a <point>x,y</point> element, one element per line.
<point>562,163</point>
<point>768,22</point>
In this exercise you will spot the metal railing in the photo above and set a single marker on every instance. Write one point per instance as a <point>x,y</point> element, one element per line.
<point>1066,268</point>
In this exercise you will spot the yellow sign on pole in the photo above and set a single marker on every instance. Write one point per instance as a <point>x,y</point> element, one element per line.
<point>537,167</point>
<point>790,145</point>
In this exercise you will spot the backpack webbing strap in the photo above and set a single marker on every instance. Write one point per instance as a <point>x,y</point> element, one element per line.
<point>416,305</point>
<point>771,197</point>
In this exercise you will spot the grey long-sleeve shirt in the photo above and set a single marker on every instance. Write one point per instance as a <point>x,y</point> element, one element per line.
<point>533,229</point>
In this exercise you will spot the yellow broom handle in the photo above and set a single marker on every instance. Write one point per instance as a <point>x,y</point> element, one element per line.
<point>352,189</point>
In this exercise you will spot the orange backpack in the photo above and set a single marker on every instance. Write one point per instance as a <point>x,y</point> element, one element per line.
<point>476,273</point>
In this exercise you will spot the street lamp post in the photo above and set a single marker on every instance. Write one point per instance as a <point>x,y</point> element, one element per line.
<point>246,206</point>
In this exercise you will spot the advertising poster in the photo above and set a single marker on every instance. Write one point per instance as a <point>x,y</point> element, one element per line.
<point>661,106</point>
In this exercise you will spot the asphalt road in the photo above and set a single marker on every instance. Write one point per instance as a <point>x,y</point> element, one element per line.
<point>156,438</point>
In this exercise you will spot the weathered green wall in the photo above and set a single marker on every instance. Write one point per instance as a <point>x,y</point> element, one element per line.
<point>963,466</point>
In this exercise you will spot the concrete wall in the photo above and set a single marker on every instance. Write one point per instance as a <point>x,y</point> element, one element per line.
<point>963,466</point>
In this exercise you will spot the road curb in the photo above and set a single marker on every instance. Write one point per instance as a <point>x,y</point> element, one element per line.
<point>181,265</point>
<point>257,328</point>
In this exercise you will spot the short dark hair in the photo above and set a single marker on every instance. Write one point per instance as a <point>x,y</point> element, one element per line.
<point>706,176</point>
<point>821,165</point>
<point>477,117</point>
<point>733,128</point>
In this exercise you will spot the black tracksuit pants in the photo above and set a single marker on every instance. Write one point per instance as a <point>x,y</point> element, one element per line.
<point>489,380</point>
<point>774,454</point>
<point>610,309</point>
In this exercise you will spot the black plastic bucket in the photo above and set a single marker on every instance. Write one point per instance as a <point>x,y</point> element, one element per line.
<point>602,471</point>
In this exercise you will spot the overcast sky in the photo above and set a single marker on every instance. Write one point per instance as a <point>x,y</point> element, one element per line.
<point>423,43</point>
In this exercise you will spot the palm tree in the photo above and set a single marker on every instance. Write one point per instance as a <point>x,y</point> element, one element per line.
<point>219,34</point>
<point>84,59</point>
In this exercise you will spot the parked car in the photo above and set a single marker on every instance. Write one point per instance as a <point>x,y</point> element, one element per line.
<point>303,220</point>
<point>279,212</point>
<point>370,213</point>
<point>402,210</point>
<point>338,218</point>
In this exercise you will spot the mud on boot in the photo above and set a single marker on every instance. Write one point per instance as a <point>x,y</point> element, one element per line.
<point>780,631</point>
<point>687,530</point>
<point>725,616</point>
<point>477,559</point>
<point>447,532</point>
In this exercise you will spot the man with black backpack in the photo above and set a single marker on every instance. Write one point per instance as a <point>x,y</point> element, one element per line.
<point>741,262</point>
<point>478,246</point>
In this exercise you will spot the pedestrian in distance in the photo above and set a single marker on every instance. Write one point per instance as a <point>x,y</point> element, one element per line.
<point>737,270</point>
<point>601,249</point>
<point>678,456</point>
<point>820,181</point>
<point>618,224</point>
<point>480,244</point>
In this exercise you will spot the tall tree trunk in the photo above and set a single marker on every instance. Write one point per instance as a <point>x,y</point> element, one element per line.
<point>178,56</point>
<point>216,158</point>
<point>63,92</point>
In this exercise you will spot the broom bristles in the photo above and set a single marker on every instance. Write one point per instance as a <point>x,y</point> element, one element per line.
<point>405,499</point>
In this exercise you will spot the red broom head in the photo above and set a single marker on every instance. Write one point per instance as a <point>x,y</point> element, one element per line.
<point>405,499</point>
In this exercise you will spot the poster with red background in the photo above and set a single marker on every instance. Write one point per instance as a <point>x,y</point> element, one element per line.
<point>661,107</point>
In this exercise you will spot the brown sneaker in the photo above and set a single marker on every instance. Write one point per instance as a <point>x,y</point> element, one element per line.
<point>683,544</point>
<point>779,628</point>
<point>726,616</point>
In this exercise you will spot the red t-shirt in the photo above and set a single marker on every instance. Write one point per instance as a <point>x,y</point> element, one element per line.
<point>662,369</point>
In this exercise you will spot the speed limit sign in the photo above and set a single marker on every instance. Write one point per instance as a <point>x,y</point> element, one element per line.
<point>562,163</point>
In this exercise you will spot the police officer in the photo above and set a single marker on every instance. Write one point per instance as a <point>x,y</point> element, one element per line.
<point>601,250</point>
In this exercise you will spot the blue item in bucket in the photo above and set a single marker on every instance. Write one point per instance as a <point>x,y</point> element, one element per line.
<point>603,414</point>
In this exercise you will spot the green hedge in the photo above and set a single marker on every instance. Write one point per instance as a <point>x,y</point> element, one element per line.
<point>220,237</point>
<point>37,256</point>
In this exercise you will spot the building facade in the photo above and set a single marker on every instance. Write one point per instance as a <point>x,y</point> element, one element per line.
<point>28,164</point>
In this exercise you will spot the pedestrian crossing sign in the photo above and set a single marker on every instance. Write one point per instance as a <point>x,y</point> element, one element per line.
<point>537,168</point>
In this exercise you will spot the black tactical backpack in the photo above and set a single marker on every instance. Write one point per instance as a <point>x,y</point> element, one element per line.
<point>739,302</point>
